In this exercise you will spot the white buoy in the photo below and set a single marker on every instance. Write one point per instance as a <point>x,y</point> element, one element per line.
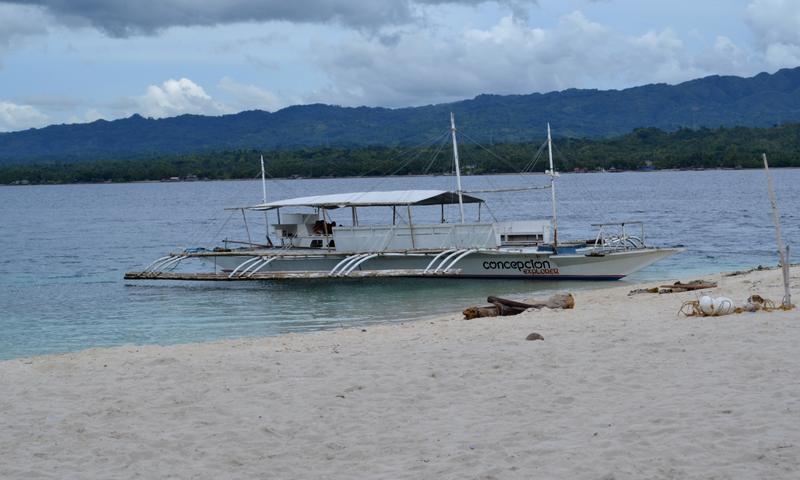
<point>706,305</point>
<point>722,306</point>
<point>716,306</point>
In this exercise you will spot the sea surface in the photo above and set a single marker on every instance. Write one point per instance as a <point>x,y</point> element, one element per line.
<point>66,248</point>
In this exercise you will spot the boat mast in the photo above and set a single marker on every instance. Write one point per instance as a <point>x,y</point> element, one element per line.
<point>458,168</point>
<point>553,175</point>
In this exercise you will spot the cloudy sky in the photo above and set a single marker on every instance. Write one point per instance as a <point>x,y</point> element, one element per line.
<point>67,61</point>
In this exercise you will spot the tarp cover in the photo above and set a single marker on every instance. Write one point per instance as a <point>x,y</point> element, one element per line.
<point>372,199</point>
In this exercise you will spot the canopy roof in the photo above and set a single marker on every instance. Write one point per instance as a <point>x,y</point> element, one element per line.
<point>372,199</point>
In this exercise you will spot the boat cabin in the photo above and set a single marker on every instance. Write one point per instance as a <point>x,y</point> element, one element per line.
<point>318,231</point>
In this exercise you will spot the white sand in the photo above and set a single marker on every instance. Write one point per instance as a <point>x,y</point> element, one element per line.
<point>620,388</point>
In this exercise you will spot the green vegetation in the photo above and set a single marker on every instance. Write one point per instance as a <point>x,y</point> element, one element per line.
<point>685,148</point>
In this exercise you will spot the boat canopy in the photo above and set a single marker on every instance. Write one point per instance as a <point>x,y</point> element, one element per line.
<point>372,199</point>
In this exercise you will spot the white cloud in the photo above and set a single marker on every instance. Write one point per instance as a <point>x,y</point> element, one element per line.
<point>435,65</point>
<point>659,56</point>
<point>775,21</point>
<point>251,97</point>
<point>177,97</point>
<point>725,57</point>
<point>776,24</point>
<point>20,117</point>
<point>783,55</point>
<point>373,52</point>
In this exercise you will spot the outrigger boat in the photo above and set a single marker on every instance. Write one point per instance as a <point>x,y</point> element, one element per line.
<point>310,245</point>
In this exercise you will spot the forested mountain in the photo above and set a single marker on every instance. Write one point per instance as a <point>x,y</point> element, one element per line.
<point>763,100</point>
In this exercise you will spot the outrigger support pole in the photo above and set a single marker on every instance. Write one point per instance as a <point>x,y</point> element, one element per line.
<point>783,251</point>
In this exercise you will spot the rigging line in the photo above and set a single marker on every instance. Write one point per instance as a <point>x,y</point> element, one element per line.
<point>273,180</point>
<point>199,231</point>
<point>489,179</point>
<point>560,158</point>
<point>404,151</point>
<point>440,140</point>
<point>532,164</point>
<point>491,213</point>
<point>402,166</point>
<point>200,228</point>
<point>523,173</point>
<point>416,150</point>
<point>213,218</point>
<point>596,210</point>
<point>417,153</point>
<point>222,227</point>
<point>399,153</point>
<point>434,157</point>
<point>508,163</point>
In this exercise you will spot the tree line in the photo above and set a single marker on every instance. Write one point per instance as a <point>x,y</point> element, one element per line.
<point>736,147</point>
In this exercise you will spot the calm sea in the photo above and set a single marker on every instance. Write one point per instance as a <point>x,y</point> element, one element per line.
<point>65,249</point>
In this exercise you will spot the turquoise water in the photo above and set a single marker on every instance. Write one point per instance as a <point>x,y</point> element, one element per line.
<point>66,249</point>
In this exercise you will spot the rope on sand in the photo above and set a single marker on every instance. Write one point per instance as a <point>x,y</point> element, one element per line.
<point>707,308</point>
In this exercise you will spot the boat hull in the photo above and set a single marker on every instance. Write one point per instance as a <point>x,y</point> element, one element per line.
<point>479,264</point>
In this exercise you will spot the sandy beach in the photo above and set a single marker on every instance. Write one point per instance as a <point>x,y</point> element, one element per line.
<point>620,388</point>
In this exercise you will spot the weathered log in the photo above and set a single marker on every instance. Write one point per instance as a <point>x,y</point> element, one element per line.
<point>643,290</point>
<point>506,307</point>
<point>693,285</point>
<point>478,312</point>
<point>506,310</point>
<point>508,303</point>
<point>559,300</point>
<point>676,287</point>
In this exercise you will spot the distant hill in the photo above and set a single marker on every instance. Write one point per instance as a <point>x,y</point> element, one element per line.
<point>714,101</point>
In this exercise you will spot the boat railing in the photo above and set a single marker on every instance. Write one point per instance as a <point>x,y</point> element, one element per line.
<point>380,238</point>
<point>617,236</point>
<point>319,241</point>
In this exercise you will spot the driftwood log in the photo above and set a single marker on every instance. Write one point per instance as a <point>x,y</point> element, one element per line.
<point>676,287</point>
<point>687,287</point>
<point>505,307</point>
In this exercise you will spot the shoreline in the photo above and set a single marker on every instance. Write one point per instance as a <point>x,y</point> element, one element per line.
<point>577,287</point>
<point>620,388</point>
<point>390,176</point>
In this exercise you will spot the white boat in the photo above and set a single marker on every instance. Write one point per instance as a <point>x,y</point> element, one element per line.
<point>308,244</point>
